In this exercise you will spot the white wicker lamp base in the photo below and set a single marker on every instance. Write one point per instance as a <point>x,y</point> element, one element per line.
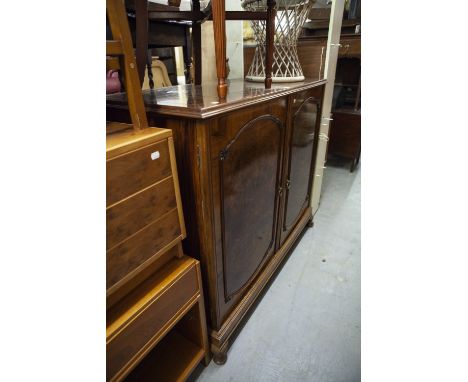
<point>290,16</point>
<point>275,79</point>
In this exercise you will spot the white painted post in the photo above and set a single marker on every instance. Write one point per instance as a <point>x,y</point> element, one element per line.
<point>334,32</point>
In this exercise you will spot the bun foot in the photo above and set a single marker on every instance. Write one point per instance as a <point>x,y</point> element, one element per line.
<point>220,358</point>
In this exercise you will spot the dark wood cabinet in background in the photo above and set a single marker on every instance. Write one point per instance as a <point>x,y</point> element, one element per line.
<point>345,127</point>
<point>246,168</point>
<point>345,136</point>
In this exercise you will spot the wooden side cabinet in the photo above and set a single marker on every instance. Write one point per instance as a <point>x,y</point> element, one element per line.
<point>246,168</point>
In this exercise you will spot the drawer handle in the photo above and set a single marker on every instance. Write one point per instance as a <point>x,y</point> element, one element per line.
<point>155,155</point>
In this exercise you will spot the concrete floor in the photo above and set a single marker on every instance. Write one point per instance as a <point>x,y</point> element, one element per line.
<point>307,327</point>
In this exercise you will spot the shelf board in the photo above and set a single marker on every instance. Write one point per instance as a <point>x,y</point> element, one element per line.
<point>172,360</point>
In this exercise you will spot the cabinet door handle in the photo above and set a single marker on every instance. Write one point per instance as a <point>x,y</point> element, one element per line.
<point>280,191</point>
<point>288,184</point>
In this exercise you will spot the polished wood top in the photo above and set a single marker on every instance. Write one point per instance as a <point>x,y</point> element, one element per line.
<point>201,101</point>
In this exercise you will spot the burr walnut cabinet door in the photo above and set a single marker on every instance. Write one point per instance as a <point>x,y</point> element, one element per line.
<point>302,140</point>
<point>246,169</point>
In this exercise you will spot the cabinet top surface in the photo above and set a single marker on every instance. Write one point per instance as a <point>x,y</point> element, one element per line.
<point>201,101</point>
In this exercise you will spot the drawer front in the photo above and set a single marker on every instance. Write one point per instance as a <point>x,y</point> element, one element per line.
<point>141,331</point>
<point>131,215</point>
<point>131,172</point>
<point>125,258</point>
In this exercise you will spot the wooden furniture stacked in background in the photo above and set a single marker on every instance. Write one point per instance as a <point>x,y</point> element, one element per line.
<point>290,16</point>
<point>154,295</point>
<point>311,51</point>
<point>158,77</point>
<point>345,128</point>
<point>246,168</point>
<point>158,28</point>
<point>219,29</point>
<point>167,56</point>
<point>311,54</point>
<point>155,20</point>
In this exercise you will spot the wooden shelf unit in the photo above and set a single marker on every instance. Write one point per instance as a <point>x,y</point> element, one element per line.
<point>160,324</point>
<point>151,285</point>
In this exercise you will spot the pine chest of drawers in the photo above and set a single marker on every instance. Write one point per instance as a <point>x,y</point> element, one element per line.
<point>155,308</point>
<point>144,212</point>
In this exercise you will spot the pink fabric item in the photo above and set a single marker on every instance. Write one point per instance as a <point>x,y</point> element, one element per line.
<point>112,82</point>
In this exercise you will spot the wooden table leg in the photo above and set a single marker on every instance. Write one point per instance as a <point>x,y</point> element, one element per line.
<point>149,67</point>
<point>357,104</point>
<point>219,28</point>
<point>270,40</point>
<point>187,52</point>
<point>141,17</point>
<point>196,44</point>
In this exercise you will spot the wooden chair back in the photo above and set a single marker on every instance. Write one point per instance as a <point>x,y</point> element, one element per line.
<point>121,47</point>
